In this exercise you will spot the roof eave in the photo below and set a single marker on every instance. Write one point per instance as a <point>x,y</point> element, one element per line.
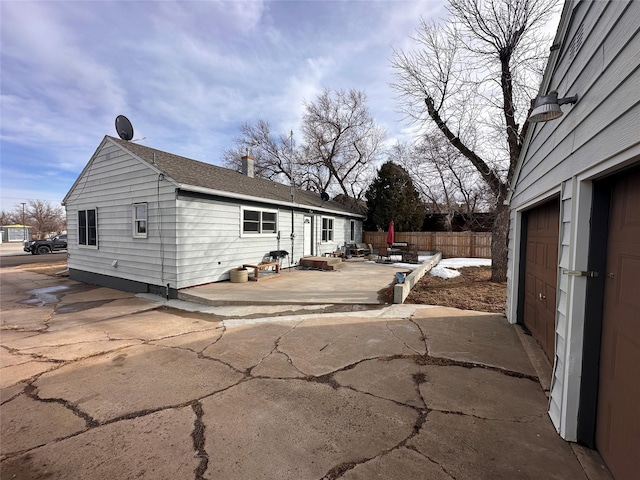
<point>554,57</point>
<point>250,198</point>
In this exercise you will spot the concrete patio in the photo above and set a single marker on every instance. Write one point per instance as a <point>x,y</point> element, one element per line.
<point>358,282</point>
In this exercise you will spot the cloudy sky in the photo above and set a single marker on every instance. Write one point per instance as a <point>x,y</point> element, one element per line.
<point>187,74</point>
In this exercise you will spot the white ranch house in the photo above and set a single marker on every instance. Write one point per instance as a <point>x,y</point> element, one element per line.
<point>574,245</point>
<point>144,220</point>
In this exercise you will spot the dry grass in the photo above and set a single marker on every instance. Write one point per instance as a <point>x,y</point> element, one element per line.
<point>472,290</point>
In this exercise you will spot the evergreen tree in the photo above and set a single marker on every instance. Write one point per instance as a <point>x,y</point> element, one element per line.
<point>392,196</point>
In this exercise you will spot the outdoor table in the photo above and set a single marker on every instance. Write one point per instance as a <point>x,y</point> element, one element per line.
<point>263,266</point>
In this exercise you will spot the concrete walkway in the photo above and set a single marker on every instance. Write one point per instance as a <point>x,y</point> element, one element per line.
<point>99,384</point>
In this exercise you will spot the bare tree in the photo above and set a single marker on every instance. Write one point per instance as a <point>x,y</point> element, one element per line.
<point>10,218</point>
<point>43,217</point>
<point>342,140</point>
<point>340,144</point>
<point>448,184</point>
<point>476,76</point>
<point>274,157</point>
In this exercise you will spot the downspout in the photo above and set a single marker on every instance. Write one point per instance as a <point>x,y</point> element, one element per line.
<point>293,195</point>
<point>159,223</point>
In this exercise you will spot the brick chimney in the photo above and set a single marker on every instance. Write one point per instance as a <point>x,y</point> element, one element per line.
<point>247,165</point>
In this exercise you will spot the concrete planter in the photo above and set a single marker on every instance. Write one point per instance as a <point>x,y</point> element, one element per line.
<point>237,275</point>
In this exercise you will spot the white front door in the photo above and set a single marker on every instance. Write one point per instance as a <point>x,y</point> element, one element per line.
<point>307,237</point>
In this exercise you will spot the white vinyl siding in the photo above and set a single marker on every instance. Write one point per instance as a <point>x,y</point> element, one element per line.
<point>211,241</point>
<point>111,183</point>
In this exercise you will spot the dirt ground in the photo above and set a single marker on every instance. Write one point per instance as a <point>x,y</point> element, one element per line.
<point>472,290</point>
<point>52,269</point>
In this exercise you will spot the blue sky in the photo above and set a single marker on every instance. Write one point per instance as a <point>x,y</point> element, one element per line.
<point>187,75</point>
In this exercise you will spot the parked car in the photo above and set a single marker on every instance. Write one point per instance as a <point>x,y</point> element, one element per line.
<point>48,245</point>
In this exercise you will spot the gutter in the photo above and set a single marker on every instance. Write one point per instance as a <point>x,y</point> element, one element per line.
<point>251,198</point>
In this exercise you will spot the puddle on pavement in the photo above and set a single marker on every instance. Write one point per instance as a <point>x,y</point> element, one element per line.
<point>41,299</point>
<point>51,295</point>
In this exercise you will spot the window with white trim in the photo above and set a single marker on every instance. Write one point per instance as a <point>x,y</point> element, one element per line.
<point>352,231</point>
<point>88,227</point>
<point>139,215</point>
<point>327,229</point>
<point>259,221</point>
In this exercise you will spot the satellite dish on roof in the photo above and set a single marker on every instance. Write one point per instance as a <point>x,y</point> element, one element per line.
<point>124,128</point>
<point>324,196</point>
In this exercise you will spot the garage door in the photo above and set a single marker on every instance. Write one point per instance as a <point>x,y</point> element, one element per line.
<point>541,272</point>
<point>618,418</point>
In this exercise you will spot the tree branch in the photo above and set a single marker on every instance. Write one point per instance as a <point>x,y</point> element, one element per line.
<point>495,183</point>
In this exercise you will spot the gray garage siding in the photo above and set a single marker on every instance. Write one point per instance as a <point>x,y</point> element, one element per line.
<point>598,61</point>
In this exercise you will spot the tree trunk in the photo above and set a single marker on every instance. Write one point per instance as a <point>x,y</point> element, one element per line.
<point>499,243</point>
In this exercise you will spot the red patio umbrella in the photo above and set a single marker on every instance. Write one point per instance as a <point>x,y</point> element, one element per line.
<point>391,234</point>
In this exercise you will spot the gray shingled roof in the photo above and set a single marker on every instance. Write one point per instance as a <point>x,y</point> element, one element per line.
<point>190,172</point>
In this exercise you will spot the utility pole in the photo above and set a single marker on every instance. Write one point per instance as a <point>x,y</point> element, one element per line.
<point>24,228</point>
<point>293,193</point>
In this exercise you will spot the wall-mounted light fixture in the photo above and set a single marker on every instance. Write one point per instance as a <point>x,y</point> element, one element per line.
<point>547,107</point>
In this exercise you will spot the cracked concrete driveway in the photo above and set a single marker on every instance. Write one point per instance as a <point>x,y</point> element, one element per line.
<point>97,384</point>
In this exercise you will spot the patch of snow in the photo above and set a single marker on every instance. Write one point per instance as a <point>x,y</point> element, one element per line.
<point>443,272</point>
<point>465,262</point>
<point>404,266</point>
<point>451,263</point>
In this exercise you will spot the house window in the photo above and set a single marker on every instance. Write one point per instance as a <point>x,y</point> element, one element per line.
<point>139,220</point>
<point>259,221</point>
<point>87,227</point>
<point>352,234</point>
<point>327,229</point>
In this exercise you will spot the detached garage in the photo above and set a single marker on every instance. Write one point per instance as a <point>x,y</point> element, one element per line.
<point>574,243</point>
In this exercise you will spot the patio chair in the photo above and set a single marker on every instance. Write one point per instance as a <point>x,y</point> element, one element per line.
<point>372,253</point>
<point>363,249</point>
<point>383,255</point>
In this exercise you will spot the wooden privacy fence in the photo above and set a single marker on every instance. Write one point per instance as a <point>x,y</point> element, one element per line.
<point>451,244</point>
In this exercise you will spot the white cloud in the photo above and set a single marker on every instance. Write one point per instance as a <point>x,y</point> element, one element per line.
<point>187,74</point>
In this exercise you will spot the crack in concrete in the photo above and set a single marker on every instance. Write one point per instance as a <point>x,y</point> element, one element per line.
<point>448,362</point>
<point>198,436</point>
<point>32,392</point>
<point>276,349</point>
<point>399,339</point>
<point>524,419</point>
<point>288,357</point>
<point>339,470</point>
<point>422,454</point>
<point>422,335</point>
<point>419,378</point>
<point>213,359</point>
